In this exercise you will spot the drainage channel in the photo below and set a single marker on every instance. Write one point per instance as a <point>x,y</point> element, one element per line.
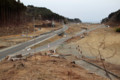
<point>96,69</point>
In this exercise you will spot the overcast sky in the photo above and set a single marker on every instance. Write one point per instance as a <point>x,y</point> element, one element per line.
<point>86,10</point>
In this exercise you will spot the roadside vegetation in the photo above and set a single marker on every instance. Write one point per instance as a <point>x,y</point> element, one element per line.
<point>118,30</point>
<point>42,13</point>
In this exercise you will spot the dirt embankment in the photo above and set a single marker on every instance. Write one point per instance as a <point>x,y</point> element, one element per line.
<point>40,67</point>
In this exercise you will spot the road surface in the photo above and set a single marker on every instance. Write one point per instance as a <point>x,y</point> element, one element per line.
<point>55,43</point>
<point>22,46</point>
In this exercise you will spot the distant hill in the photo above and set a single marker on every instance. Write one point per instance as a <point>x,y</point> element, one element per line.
<point>42,13</point>
<point>15,13</point>
<point>113,19</point>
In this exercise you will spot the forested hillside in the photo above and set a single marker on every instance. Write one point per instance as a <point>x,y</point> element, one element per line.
<point>42,13</point>
<point>113,19</point>
<point>11,12</point>
<point>15,13</point>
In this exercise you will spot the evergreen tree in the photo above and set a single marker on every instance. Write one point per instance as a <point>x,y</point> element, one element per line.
<point>10,12</point>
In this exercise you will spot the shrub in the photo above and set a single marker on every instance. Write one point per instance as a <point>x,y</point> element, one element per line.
<point>118,30</point>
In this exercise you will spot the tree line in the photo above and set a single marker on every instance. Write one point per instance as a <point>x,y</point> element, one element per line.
<point>11,12</point>
<point>14,12</point>
<point>42,13</point>
<point>46,14</point>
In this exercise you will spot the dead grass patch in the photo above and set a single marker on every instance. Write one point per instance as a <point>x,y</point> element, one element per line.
<point>43,68</point>
<point>47,41</point>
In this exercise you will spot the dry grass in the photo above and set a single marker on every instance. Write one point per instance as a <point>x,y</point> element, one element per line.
<point>44,68</point>
<point>109,50</point>
<point>110,67</point>
<point>105,40</point>
<point>73,29</point>
<point>8,39</point>
<point>111,45</point>
<point>47,41</point>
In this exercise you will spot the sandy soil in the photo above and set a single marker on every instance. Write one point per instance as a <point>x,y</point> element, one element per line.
<point>40,67</point>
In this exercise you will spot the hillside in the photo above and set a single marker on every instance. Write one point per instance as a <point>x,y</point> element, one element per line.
<point>16,18</point>
<point>113,19</point>
<point>11,12</point>
<point>14,13</point>
<point>42,13</point>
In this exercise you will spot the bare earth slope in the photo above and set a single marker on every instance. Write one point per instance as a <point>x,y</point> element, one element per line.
<point>44,68</point>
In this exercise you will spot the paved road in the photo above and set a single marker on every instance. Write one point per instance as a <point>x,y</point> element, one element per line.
<point>82,63</point>
<point>45,47</point>
<point>56,43</point>
<point>22,46</point>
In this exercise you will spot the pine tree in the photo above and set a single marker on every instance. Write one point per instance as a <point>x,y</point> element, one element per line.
<point>11,12</point>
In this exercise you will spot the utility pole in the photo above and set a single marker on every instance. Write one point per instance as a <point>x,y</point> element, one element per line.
<point>53,23</point>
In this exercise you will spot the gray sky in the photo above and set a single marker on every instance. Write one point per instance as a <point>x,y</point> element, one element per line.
<point>86,10</point>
